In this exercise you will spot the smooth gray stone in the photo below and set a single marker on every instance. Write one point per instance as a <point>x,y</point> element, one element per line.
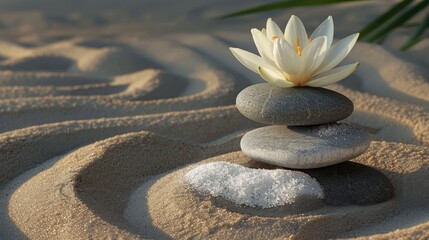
<point>347,183</point>
<point>299,106</point>
<point>305,147</point>
<point>351,183</point>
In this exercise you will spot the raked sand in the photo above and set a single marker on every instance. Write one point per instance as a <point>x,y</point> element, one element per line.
<point>104,106</point>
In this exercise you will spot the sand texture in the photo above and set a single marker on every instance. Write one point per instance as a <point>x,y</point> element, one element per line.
<point>104,107</point>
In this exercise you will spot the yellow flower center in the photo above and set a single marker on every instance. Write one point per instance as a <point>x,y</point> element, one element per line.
<point>298,79</point>
<point>298,48</point>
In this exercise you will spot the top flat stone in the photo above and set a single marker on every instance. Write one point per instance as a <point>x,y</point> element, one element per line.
<point>300,106</point>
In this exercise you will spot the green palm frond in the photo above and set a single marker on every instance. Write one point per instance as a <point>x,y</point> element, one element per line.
<point>285,4</point>
<point>384,18</point>
<point>417,34</point>
<point>403,17</point>
<point>377,30</point>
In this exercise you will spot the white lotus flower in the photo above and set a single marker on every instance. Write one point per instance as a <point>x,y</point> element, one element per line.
<point>293,59</point>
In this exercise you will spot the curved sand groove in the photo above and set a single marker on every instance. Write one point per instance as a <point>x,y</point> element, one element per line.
<point>110,61</point>
<point>385,116</point>
<point>82,190</point>
<point>37,63</point>
<point>199,61</point>
<point>150,86</point>
<point>204,218</point>
<point>408,83</point>
<point>10,49</point>
<point>25,112</point>
<point>78,133</point>
<point>220,89</point>
<point>52,79</point>
<point>420,52</point>
<point>143,85</point>
<point>407,127</point>
<point>22,149</point>
<point>176,84</point>
<point>67,56</point>
<point>94,43</point>
<point>88,174</point>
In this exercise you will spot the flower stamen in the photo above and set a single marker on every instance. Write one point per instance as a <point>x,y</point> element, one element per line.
<point>274,38</point>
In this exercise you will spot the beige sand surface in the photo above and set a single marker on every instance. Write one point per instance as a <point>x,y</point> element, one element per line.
<point>103,106</point>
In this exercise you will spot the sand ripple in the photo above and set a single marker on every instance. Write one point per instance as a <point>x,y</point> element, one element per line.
<point>84,123</point>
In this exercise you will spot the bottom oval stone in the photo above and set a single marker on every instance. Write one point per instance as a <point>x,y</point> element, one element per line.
<point>352,183</point>
<point>305,147</point>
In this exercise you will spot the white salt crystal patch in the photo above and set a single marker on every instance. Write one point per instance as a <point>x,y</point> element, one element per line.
<point>252,187</point>
<point>332,130</point>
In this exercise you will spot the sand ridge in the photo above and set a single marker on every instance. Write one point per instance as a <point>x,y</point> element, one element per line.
<point>90,121</point>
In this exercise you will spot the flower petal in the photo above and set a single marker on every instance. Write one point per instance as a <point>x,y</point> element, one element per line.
<point>326,28</point>
<point>311,55</point>
<point>295,32</point>
<point>286,58</point>
<point>273,30</point>
<point>248,59</point>
<point>263,44</point>
<point>337,53</point>
<point>274,77</point>
<point>332,76</point>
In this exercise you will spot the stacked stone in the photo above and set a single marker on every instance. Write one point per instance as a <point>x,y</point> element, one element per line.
<point>305,132</point>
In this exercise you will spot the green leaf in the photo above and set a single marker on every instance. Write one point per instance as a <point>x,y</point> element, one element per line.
<point>399,20</point>
<point>410,44</point>
<point>285,4</point>
<point>410,25</point>
<point>416,36</point>
<point>384,18</point>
